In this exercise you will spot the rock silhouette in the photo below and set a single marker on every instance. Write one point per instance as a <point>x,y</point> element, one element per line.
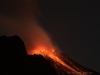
<point>15,61</point>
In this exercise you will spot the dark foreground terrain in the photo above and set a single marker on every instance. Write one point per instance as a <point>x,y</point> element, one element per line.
<point>15,61</point>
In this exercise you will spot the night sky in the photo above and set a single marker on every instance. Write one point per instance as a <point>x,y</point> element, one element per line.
<point>74,27</point>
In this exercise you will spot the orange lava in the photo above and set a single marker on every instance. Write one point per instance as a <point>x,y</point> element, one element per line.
<point>55,56</point>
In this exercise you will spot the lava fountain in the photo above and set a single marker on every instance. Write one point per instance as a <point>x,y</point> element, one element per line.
<point>57,60</point>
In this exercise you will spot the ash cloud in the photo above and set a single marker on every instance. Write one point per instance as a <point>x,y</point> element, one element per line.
<point>18,17</point>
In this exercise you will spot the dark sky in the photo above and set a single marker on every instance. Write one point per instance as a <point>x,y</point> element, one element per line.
<point>73,25</point>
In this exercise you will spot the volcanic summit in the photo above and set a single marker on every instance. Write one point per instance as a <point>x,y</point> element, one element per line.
<point>15,61</point>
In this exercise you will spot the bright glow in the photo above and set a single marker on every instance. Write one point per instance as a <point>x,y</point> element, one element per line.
<point>56,58</point>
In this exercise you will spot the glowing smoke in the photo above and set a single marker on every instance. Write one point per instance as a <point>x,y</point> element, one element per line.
<point>24,24</point>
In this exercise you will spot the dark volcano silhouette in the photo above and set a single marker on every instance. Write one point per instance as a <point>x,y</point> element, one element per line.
<point>15,61</point>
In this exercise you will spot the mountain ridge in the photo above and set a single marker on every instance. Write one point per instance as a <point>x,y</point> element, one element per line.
<point>14,59</point>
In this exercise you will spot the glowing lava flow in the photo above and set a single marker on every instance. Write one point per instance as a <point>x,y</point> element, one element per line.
<point>58,61</point>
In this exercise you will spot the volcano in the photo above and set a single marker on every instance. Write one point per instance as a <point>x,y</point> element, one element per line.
<point>14,60</point>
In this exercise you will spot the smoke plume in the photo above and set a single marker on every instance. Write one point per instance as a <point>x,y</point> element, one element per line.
<point>20,18</point>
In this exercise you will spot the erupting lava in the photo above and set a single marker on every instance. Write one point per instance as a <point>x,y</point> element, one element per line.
<point>26,26</point>
<point>58,60</point>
